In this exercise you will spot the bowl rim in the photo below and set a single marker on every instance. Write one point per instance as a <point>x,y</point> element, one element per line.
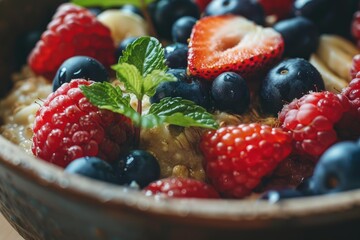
<point>119,198</point>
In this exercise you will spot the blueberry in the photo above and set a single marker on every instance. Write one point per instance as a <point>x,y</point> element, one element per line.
<point>132,9</point>
<point>274,196</point>
<point>186,87</point>
<point>176,55</point>
<point>182,28</point>
<point>92,167</point>
<point>95,10</point>
<point>230,93</point>
<point>301,37</point>
<point>330,16</point>
<point>137,166</point>
<point>80,67</point>
<point>122,46</point>
<point>246,8</point>
<point>338,169</point>
<point>290,79</point>
<point>168,11</point>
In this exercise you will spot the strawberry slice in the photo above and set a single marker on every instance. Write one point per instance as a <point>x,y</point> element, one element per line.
<point>232,43</point>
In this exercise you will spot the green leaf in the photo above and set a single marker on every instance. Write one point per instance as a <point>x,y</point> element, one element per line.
<point>146,53</point>
<point>178,111</point>
<point>130,76</point>
<point>109,3</point>
<point>106,96</point>
<point>152,81</point>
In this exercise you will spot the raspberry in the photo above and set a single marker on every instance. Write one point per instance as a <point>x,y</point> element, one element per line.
<point>355,27</point>
<point>72,31</point>
<point>238,157</point>
<point>348,127</point>
<point>280,8</point>
<point>311,119</point>
<point>67,126</point>
<point>181,188</point>
<point>355,67</point>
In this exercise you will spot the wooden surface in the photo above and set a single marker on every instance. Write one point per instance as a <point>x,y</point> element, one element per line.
<point>7,232</point>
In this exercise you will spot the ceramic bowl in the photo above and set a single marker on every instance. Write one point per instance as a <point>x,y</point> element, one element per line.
<point>43,202</point>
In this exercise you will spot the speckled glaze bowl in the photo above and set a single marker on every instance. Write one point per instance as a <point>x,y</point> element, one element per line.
<point>43,202</point>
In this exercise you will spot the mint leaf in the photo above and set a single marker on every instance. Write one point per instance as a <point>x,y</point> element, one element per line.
<point>109,3</point>
<point>179,112</point>
<point>131,77</point>
<point>152,81</point>
<point>105,96</point>
<point>146,54</point>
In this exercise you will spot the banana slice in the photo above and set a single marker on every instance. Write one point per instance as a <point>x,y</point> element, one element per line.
<point>337,53</point>
<point>332,82</point>
<point>123,24</point>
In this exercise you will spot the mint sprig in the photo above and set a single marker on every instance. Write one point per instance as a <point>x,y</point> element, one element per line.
<point>142,68</point>
<point>110,3</point>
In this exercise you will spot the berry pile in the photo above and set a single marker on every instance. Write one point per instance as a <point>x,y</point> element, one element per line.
<point>292,131</point>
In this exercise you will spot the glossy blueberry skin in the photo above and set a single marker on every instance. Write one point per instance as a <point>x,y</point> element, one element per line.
<point>301,37</point>
<point>122,46</point>
<point>290,79</point>
<point>176,55</point>
<point>274,196</point>
<point>185,87</point>
<point>230,93</point>
<point>92,167</point>
<point>137,166</point>
<point>251,10</point>
<point>330,16</point>
<point>168,11</point>
<point>80,67</point>
<point>338,169</point>
<point>181,29</point>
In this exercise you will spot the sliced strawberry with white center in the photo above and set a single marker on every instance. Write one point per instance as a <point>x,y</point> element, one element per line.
<point>232,43</point>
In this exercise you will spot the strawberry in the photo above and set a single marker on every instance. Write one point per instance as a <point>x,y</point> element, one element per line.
<point>72,31</point>
<point>181,188</point>
<point>279,8</point>
<point>236,158</point>
<point>311,120</point>
<point>67,126</point>
<point>232,43</point>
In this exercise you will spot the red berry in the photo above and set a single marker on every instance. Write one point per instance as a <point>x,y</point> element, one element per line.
<point>67,126</point>
<point>348,127</point>
<point>181,188</point>
<point>232,43</point>
<point>311,119</point>
<point>355,27</point>
<point>280,8</point>
<point>72,31</point>
<point>202,4</point>
<point>238,157</point>
<point>355,67</point>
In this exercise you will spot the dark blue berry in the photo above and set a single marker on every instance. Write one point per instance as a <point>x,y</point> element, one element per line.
<point>338,169</point>
<point>137,166</point>
<point>290,79</point>
<point>181,29</point>
<point>230,93</point>
<point>122,46</point>
<point>176,55</point>
<point>330,16</point>
<point>274,196</point>
<point>249,9</point>
<point>168,11</point>
<point>132,9</point>
<point>92,167</point>
<point>95,10</point>
<point>185,87</point>
<point>301,37</point>
<point>80,67</point>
